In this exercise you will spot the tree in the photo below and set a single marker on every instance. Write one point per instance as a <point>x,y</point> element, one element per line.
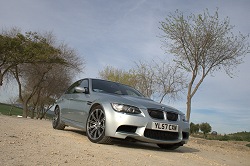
<point>32,64</point>
<point>155,78</point>
<point>202,44</point>
<point>12,102</point>
<point>169,80</point>
<point>194,128</point>
<point>205,128</point>
<point>50,86</point>
<point>8,45</point>
<point>16,48</point>
<point>118,75</point>
<point>137,78</point>
<point>144,75</point>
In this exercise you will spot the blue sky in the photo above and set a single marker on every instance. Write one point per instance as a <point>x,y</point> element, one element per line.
<point>120,32</point>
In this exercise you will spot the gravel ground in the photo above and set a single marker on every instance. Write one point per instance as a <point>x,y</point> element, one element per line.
<point>35,142</point>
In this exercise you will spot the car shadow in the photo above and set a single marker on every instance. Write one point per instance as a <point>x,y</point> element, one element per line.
<point>78,131</point>
<point>131,144</point>
<point>150,146</point>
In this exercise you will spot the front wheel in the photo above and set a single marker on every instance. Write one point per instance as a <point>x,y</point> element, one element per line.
<point>56,122</point>
<point>96,126</point>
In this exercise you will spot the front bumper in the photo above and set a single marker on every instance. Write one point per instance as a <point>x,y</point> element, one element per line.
<point>139,127</point>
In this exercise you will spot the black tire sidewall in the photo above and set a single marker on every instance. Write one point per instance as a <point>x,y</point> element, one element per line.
<point>103,134</point>
<point>56,122</point>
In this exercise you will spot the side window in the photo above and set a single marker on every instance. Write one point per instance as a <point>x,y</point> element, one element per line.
<point>71,89</point>
<point>85,84</point>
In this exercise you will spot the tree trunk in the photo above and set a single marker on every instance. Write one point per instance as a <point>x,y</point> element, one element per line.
<point>189,98</point>
<point>188,106</point>
<point>25,110</point>
<point>1,78</point>
<point>32,113</point>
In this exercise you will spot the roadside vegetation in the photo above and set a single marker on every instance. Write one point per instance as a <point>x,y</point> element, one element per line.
<point>42,67</point>
<point>14,110</point>
<point>6,109</point>
<point>203,130</point>
<point>239,136</point>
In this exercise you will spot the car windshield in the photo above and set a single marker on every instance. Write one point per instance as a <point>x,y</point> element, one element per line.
<point>114,88</point>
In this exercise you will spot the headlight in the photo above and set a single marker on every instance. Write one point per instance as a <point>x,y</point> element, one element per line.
<point>125,108</point>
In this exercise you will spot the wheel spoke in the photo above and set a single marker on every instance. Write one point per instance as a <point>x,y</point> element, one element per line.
<point>96,124</point>
<point>95,134</point>
<point>96,114</point>
<point>100,115</point>
<point>98,132</point>
<point>102,120</point>
<point>93,117</point>
<point>92,130</point>
<point>91,122</point>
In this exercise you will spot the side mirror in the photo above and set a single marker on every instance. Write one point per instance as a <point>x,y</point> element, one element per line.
<point>81,90</point>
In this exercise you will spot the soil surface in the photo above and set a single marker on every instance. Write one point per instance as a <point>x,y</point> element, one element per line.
<point>35,142</point>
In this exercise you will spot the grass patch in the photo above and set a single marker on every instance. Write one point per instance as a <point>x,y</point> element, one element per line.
<point>7,109</point>
<point>239,136</point>
<point>248,145</point>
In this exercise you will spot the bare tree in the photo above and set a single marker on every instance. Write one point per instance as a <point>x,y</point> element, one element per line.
<point>145,78</point>
<point>51,88</point>
<point>158,78</point>
<point>23,75</point>
<point>169,80</point>
<point>202,44</point>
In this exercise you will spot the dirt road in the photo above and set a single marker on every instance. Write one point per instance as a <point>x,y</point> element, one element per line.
<point>34,142</point>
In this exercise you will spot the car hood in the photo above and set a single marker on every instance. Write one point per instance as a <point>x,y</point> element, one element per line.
<point>140,102</point>
<point>149,104</point>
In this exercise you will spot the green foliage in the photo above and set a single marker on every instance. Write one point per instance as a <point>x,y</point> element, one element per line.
<point>7,109</point>
<point>224,138</point>
<point>34,54</point>
<point>205,128</point>
<point>117,75</point>
<point>28,48</point>
<point>194,128</point>
<point>239,136</point>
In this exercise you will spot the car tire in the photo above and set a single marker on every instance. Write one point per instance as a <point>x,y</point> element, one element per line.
<point>168,146</point>
<point>95,126</point>
<point>56,122</point>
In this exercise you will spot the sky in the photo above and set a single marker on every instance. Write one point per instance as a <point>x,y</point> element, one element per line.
<point>119,33</point>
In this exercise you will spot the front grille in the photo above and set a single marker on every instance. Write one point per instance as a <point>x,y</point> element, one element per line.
<point>159,114</point>
<point>161,135</point>
<point>156,114</point>
<point>172,116</point>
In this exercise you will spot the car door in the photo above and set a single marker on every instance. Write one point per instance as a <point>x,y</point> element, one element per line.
<point>66,111</point>
<point>79,104</point>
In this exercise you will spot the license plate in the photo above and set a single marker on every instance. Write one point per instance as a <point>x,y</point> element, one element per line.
<point>165,127</point>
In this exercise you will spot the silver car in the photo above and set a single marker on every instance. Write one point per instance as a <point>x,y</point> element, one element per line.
<point>107,110</point>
